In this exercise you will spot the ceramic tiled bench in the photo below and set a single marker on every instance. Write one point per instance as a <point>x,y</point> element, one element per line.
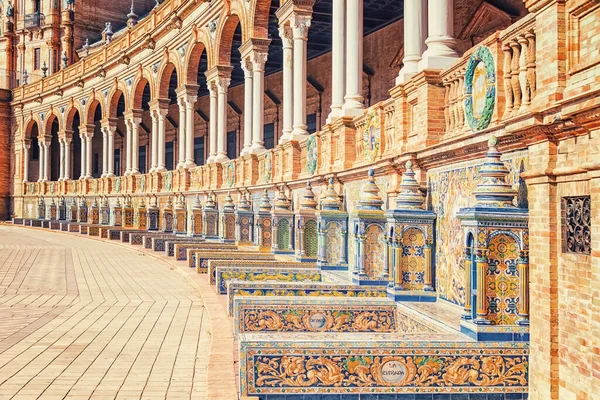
<point>64,226</point>
<point>46,224</point>
<point>266,272</point>
<point>273,288</point>
<point>204,256</point>
<point>83,229</point>
<point>265,264</point>
<point>125,233</point>
<point>191,250</point>
<point>18,221</point>
<point>160,243</point>
<point>74,227</point>
<point>148,236</point>
<point>36,223</point>
<point>372,364</point>
<point>55,225</point>
<point>170,244</point>
<point>104,232</point>
<point>314,314</point>
<point>94,230</point>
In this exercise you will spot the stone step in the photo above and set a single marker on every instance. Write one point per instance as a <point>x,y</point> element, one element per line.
<point>203,257</point>
<point>274,288</point>
<point>314,314</point>
<point>271,271</point>
<point>324,363</point>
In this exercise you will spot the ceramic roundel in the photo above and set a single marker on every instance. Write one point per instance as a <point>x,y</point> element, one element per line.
<point>480,89</point>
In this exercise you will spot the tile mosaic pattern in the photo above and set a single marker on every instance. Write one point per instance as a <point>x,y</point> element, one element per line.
<point>203,259</point>
<point>306,290</point>
<point>224,274</point>
<point>270,264</point>
<point>297,364</point>
<point>347,315</point>
<point>449,190</point>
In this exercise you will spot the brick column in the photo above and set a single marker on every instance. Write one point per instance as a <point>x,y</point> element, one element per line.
<point>543,252</point>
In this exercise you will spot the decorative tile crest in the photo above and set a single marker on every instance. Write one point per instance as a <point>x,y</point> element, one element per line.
<point>480,89</point>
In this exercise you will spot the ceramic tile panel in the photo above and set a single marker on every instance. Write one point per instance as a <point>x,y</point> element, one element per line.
<point>282,274</point>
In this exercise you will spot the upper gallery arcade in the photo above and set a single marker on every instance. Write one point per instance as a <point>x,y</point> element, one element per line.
<point>196,83</point>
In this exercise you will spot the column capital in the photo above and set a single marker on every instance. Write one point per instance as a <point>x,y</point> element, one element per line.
<point>290,8</point>
<point>287,36</point>
<point>218,71</point>
<point>109,123</point>
<point>159,106</point>
<point>254,45</point>
<point>86,130</point>
<point>300,24</point>
<point>186,90</point>
<point>66,135</point>
<point>246,64</point>
<point>135,115</point>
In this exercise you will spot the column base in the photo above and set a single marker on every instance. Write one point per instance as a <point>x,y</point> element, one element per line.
<point>189,164</point>
<point>221,158</point>
<point>108,175</point>
<point>353,107</point>
<point>285,137</point>
<point>180,164</point>
<point>404,76</point>
<point>257,148</point>
<point>211,159</point>
<point>134,172</point>
<point>439,56</point>
<point>160,168</point>
<point>336,112</point>
<point>299,131</point>
<point>246,150</point>
<point>152,169</point>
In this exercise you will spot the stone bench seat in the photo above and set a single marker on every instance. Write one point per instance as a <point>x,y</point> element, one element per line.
<point>170,244</point>
<point>376,363</point>
<point>55,225</point>
<point>314,314</point>
<point>18,221</point>
<point>270,272</point>
<point>46,223</point>
<point>120,233</point>
<point>160,243</point>
<point>289,289</point>
<point>203,257</point>
<point>213,265</point>
<point>180,250</point>
<point>191,250</point>
<point>148,236</point>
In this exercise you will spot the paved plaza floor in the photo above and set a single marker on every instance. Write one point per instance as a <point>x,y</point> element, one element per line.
<point>83,318</point>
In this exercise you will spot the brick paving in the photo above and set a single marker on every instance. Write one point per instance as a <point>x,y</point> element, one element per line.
<point>82,318</point>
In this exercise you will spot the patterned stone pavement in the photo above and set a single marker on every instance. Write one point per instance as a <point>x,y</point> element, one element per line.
<point>82,318</point>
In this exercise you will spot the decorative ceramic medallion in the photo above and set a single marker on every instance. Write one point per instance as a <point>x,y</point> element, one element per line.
<point>229,173</point>
<point>480,89</point>
<point>118,184</point>
<point>142,183</point>
<point>311,154</point>
<point>169,181</point>
<point>267,167</point>
<point>372,136</point>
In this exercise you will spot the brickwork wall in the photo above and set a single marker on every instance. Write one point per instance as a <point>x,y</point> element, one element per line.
<point>5,164</point>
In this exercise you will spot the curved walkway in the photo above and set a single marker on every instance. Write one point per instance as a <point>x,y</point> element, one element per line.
<point>82,318</point>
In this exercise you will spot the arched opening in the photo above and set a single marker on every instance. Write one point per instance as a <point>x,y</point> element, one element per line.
<point>34,152</point>
<point>196,73</point>
<point>55,159</point>
<point>117,113</point>
<point>94,118</point>
<point>172,123</point>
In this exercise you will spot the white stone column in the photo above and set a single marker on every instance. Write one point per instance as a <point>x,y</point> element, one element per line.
<point>259,58</point>
<point>222,85</point>
<point>111,151</point>
<point>154,141</point>
<point>212,139</point>
<point>135,145</point>
<point>415,31</point>
<point>26,147</point>
<point>300,25</point>
<point>67,159</point>
<point>440,53</point>
<point>337,60</point>
<point>47,166</point>
<point>41,160</point>
<point>190,101</point>
<point>181,130</point>
<point>83,152</point>
<point>88,156</point>
<point>353,100</point>
<point>160,166</point>
<point>61,168</point>
<point>128,129</point>
<point>287,38</point>
<point>248,110</point>
<point>104,152</point>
